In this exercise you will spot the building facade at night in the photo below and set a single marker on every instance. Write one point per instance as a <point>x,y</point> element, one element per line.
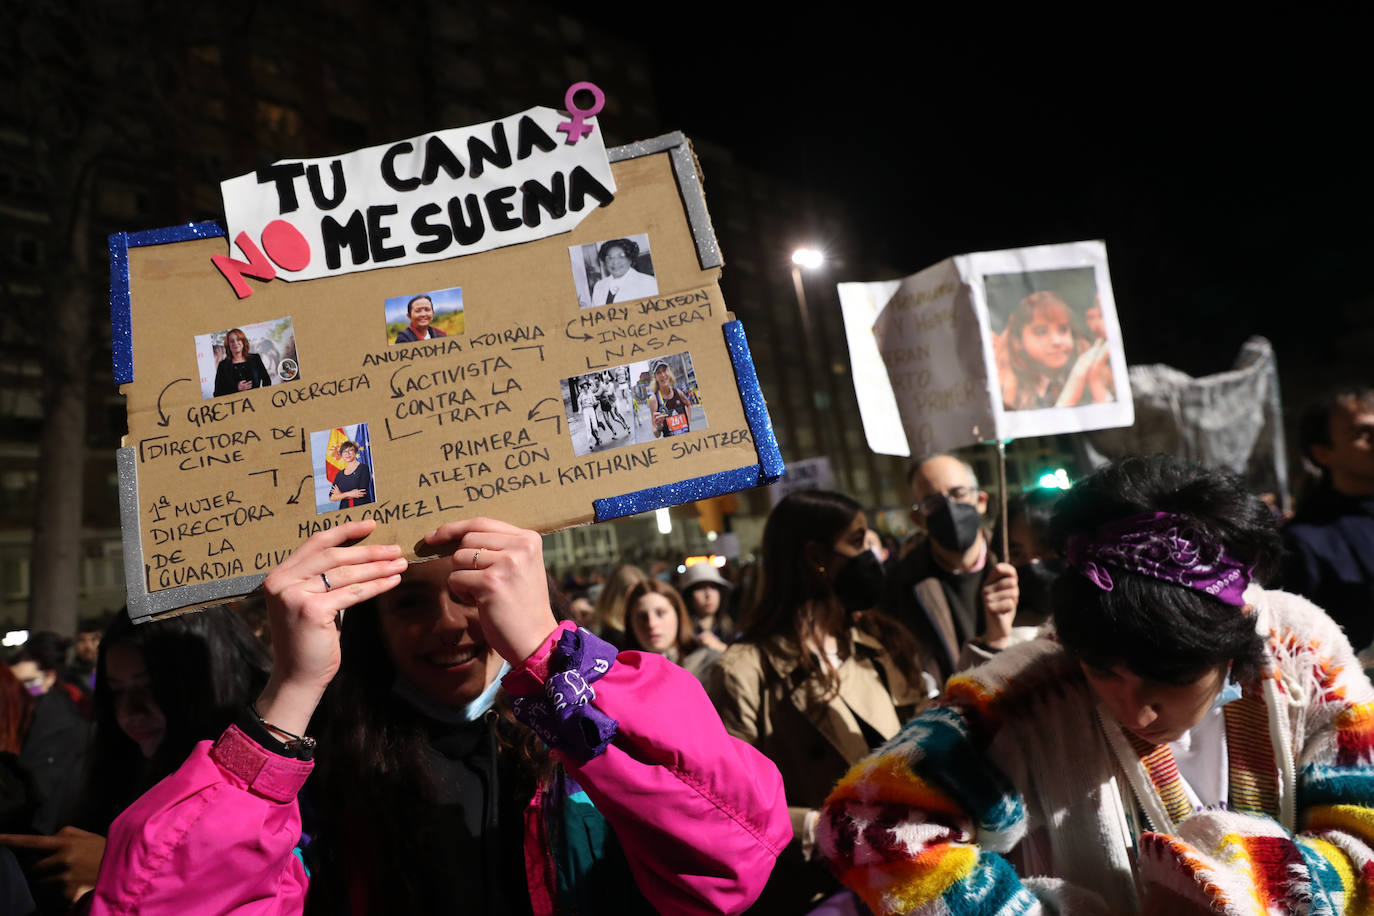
<point>172,102</point>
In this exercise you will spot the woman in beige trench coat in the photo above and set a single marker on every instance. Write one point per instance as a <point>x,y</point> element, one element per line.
<point>818,679</point>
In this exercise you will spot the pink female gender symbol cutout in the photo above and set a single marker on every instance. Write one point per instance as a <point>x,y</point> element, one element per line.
<point>578,127</point>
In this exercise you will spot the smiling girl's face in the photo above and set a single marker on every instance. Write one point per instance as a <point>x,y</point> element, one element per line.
<point>434,640</point>
<point>1048,338</point>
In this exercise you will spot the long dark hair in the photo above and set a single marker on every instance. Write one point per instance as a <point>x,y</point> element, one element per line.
<point>1156,629</point>
<point>372,777</point>
<point>204,668</point>
<point>795,596</point>
<point>372,754</point>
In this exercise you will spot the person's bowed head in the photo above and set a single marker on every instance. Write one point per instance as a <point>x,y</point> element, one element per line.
<point>1170,658</point>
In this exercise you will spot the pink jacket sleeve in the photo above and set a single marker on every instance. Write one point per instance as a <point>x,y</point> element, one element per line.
<point>700,815</point>
<point>214,837</point>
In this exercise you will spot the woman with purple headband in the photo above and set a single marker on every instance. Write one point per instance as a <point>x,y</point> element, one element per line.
<point>1188,741</point>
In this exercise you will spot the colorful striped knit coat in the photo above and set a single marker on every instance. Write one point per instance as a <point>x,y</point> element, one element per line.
<point>1018,759</point>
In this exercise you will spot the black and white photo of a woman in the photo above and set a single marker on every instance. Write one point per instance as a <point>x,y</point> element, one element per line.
<point>613,271</point>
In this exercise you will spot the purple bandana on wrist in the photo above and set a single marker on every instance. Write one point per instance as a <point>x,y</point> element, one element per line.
<point>563,717</point>
<point>1164,546</point>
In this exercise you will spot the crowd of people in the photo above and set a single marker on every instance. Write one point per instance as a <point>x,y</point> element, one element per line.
<point>1150,703</point>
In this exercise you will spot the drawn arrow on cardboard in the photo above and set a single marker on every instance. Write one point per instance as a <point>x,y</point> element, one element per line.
<point>574,336</point>
<point>162,418</point>
<point>292,500</point>
<point>535,409</point>
<point>556,418</point>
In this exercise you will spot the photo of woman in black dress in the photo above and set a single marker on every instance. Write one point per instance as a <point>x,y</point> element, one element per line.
<point>351,485</point>
<point>240,369</point>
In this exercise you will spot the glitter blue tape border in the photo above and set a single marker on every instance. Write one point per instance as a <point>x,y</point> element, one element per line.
<point>121,322</point>
<point>755,407</point>
<point>769,468</point>
<point>675,494</point>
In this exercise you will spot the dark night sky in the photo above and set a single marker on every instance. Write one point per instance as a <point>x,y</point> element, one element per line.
<point>1229,174</point>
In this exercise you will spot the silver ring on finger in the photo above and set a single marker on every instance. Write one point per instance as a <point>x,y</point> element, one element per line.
<point>475,554</point>
<point>325,580</point>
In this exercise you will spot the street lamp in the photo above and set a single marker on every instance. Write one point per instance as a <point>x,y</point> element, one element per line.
<point>811,259</point>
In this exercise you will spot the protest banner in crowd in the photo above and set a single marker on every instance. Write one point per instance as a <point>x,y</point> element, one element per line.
<point>505,320</point>
<point>990,346</point>
<point>1231,420</point>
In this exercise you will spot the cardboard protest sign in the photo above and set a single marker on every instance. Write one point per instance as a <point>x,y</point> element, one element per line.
<point>575,372</point>
<point>997,345</point>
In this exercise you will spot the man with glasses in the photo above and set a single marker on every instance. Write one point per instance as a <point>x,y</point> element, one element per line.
<point>950,590</point>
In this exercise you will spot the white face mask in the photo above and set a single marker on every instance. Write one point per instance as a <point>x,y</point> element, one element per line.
<point>473,711</point>
<point>469,713</point>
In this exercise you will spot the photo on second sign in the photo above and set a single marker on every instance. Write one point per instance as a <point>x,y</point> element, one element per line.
<point>342,460</point>
<point>1049,339</point>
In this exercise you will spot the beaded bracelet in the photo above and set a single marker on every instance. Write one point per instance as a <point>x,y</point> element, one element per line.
<point>293,742</point>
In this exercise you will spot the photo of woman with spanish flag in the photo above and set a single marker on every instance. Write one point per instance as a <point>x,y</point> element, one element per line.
<point>343,468</point>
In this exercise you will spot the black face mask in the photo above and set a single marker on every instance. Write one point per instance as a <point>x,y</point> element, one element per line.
<point>954,526</point>
<point>859,583</point>
<point>1035,580</point>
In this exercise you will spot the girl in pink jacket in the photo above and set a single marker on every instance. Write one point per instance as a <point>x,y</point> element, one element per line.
<point>428,799</point>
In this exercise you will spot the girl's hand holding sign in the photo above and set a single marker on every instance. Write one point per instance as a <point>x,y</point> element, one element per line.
<point>306,596</point>
<point>499,569</point>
